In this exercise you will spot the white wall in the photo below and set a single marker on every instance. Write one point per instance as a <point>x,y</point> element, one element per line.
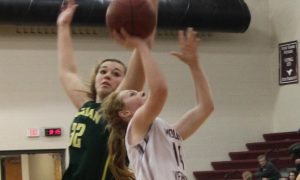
<point>241,68</point>
<point>286,27</point>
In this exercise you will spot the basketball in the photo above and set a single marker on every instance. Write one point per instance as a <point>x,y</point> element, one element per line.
<point>137,17</point>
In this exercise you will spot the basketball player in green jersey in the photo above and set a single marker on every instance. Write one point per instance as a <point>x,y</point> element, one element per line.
<point>88,152</point>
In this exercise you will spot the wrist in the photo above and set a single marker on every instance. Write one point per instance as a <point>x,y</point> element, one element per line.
<point>142,45</point>
<point>63,25</point>
<point>194,66</point>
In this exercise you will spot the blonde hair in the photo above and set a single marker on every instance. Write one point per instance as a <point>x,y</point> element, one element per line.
<point>116,141</point>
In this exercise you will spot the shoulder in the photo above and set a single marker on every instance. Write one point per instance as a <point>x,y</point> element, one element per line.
<point>160,122</point>
<point>270,164</point>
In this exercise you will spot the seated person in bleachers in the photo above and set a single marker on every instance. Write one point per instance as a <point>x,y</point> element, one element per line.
<point>294,151</point>
<point>266,169</point>
<point>292,175</point>
<point>297,164</point>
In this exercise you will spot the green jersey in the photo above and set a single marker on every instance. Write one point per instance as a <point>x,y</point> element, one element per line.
<point>88,149</point>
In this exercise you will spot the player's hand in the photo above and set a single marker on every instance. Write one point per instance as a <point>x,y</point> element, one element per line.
<point>188,43</point>
<point>67,12</point>
<point>126,40</point>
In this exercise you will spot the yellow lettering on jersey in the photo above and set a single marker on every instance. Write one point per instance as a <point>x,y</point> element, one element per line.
<point>87,110</point>
<point>76,133</point>
<point>81,112</point>
<point>91,113</point>
<point>97,117</point>
<point>73,131</point>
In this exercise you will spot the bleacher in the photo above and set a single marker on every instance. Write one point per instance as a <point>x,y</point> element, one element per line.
<point>275,147</point>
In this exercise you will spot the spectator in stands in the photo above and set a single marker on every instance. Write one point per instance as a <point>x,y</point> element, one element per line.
<point>294,151</point>
<point>266,169</point>
<point>247,175</point>
<point>292,175</point>
<point>297,164</point>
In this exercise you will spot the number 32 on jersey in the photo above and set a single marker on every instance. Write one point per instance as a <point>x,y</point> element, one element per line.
<point>77,131</point>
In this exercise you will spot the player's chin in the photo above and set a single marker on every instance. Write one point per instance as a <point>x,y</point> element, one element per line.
<point>105,91</point>
<point>106,88</point>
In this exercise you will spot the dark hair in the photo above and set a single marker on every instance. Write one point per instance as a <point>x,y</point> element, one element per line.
<point>93,93</point>
<point>262,157</point>
<point>293,171</point>
<point>294,150</point>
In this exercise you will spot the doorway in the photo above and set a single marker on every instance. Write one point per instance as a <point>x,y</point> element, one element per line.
<point>32,164</point>
<point>12,168</point>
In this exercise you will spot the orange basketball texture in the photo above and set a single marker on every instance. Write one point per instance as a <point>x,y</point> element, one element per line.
<point>137,17</point>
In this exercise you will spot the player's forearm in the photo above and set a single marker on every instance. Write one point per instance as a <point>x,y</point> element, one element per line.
<point>65,50</point>
<point>203,92</point>
<point>134,78</point>
<point>153,74</point>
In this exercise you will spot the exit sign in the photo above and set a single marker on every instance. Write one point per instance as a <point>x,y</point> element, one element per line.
<point>33,132</point>
<point>52,131</point>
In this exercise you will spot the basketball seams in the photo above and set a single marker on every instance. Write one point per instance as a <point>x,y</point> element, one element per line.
<point>136,16</point>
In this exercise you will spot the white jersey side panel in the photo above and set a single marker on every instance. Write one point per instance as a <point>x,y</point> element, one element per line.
<point>159,156</point>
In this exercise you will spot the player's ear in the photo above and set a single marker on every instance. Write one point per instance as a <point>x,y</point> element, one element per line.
<point>124,114</point>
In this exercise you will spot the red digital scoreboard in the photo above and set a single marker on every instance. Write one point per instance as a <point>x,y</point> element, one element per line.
<point>52,132</point>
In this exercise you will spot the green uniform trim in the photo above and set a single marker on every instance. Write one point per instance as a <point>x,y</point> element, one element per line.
<point>105,168</point>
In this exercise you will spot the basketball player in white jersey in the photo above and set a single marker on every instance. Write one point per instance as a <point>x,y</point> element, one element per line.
<point>153,147</point>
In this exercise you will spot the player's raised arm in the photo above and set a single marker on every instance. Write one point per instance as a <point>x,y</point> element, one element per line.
<point>67,68</point>
<point>193,119</point>
<point>144,26</point>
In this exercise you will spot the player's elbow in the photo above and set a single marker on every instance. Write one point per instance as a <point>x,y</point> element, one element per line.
<point>210,108</point>
<point>162,91</point>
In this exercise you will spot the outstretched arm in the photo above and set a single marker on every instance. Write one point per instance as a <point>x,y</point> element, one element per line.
<point>193,119</point>
<point>72,83</point>
<point>146,114</point>
<point>134,78</point>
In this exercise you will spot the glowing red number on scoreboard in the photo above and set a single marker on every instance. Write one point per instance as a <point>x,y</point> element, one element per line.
<point>57,131</point>
<point>52,131</point>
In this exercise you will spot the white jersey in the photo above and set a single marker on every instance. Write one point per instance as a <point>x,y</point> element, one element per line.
<point>159,156</point>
